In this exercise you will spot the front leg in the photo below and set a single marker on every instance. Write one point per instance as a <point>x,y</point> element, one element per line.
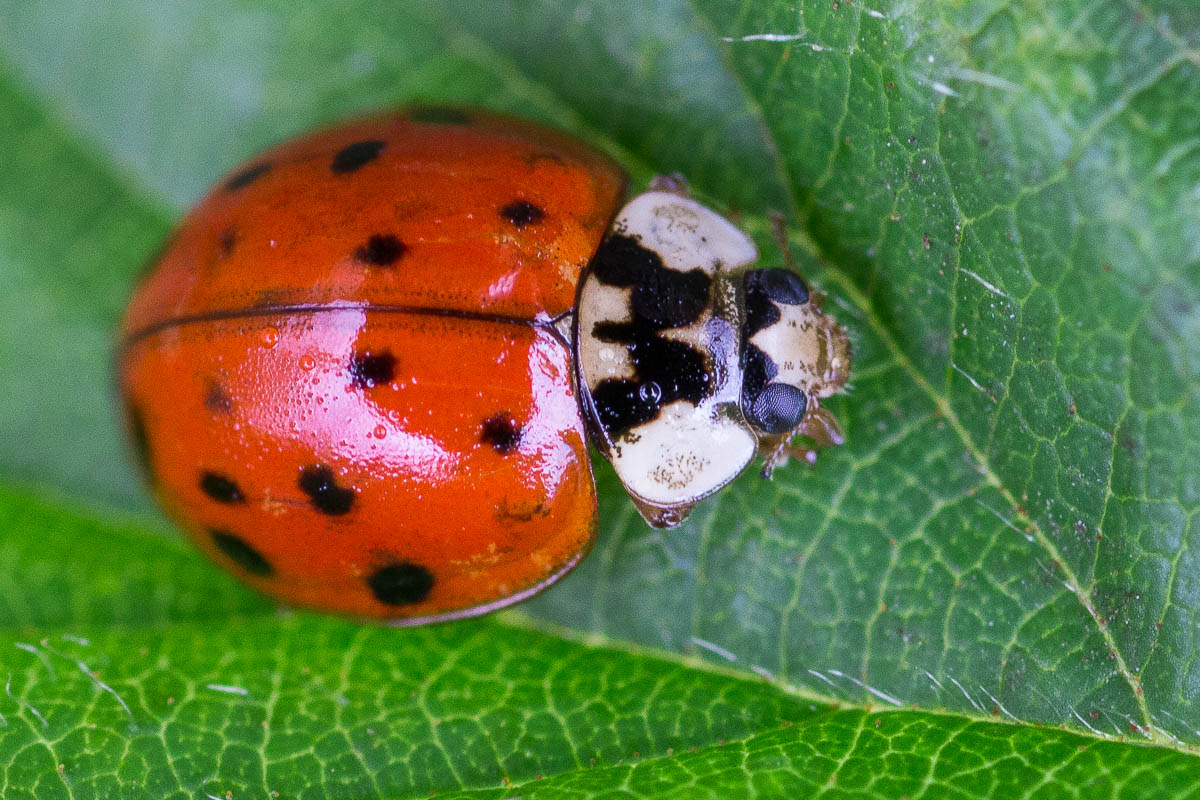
<point>818,426</point>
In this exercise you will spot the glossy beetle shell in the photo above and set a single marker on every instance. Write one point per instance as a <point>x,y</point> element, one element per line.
<point>343,376</point>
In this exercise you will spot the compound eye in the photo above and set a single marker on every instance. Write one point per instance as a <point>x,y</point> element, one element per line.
<point>778,408</point>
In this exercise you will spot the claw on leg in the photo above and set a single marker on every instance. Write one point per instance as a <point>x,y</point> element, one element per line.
<point>774,455</point>
<point>821,426</point>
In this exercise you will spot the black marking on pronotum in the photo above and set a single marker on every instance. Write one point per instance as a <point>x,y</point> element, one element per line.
<point>355,156</point>
<point>765,288</point>
<point>520,213</point>
<point>770,407</point>
<point>662,297</point>
<point>240,552</point>
<point>320,484</point>
<point>368,370</point>
<point>502,432</point>
<point>615,332</point>
<point>669,298</point>
<point>381,250</point>
<point>666,371</point>
<point>757,371</point>
<point>622,261</point>
<point>401,583</point>
<point>433,115</point>
<point>781,285</point>
<point>248,176</point>
<point>760,311</point>
<point>221,488</point>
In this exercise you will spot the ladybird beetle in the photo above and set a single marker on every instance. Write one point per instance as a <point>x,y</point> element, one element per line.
<point>364,371</point>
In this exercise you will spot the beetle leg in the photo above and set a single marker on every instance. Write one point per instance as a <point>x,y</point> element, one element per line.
<point>773,454</point>
<point>822,427</point>
<point>779,231</point>
<point>818,426</point>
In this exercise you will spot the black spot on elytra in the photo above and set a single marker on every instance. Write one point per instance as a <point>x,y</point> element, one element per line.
<point>239,551</point>
<point>520,213</point>
<point>439,116</point>
<point>381,250</point>
<point>320,484</point>
<point>538,156</point>
<point>247,176</point>
<point>502,432</point>
<point>368,370</point>
<point>216,399</point>
<point>141,443</point>
<point>355,156</point>
<point>221,488</point>
<point>226,242</point>
<point>401,583</point>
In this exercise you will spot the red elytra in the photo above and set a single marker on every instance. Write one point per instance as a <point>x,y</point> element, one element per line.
<point>343,374</point>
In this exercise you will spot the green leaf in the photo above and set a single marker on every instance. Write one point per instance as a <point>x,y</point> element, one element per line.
<point>999,198</point>
<point>118,686</point>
